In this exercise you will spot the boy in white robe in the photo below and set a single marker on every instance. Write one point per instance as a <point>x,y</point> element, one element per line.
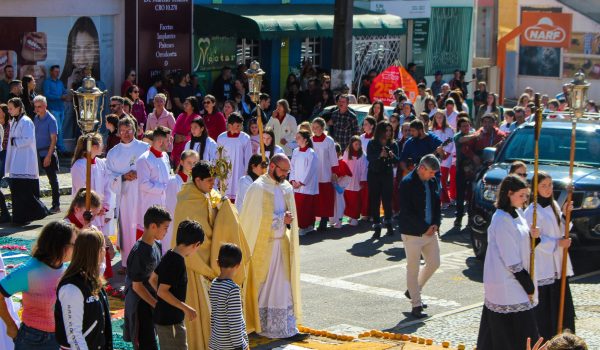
<point>237,149</point>
<point>121,161</point>
<point>154,172</point>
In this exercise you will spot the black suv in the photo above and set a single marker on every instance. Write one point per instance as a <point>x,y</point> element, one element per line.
<point>554,149</point>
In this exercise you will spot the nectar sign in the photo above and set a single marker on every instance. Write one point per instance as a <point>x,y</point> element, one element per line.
<point>546,29</point>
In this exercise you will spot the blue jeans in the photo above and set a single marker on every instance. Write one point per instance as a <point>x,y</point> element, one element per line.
<point>33,339</point>
<point>60,118</point>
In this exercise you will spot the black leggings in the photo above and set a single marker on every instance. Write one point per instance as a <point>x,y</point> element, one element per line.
<point>381,187</point>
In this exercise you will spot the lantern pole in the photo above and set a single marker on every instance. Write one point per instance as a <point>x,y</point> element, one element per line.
<point>577,100</point>
<point>254,75</point>
<point>538,130</point>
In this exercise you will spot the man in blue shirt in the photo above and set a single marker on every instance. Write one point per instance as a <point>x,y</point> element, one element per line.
<point>55,92</point>
<point>46,131</point>
<point>418,145</point>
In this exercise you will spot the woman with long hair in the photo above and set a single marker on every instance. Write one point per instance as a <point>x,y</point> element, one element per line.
<point>440,127</point>
<point>269,140</point>
<point>354,198</point>
<point>394,120</point>
<point>83,50</point>
<point>256,168</point>
<point>490,106</point>
<point>22,166</point>
<point>377,111</point>
<point>523,100</point>
<point>368,127</point>
<point>182,128</point>
<point>28,94</point>
<point>254,135</point>
<point>82,314</point>
<point>383,156</point>
<point>215,121</point>
<point>229,107</point>
<point>548,259</point>
<point>458,98</point>
<point>430,106</point>
<point>4,135</point>
<point>37,279</point>
<point>508,317</point>
<point>200,142</point>
<point>138,109</point>
<point>305,181</point>
<point>284,126</point>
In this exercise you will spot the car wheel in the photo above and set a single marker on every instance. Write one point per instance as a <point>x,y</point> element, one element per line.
<point>479,244</point>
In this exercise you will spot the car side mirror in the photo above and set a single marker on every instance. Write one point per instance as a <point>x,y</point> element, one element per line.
<point>489,153</point>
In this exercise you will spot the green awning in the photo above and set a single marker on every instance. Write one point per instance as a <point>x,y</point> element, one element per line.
<point>292,21</point>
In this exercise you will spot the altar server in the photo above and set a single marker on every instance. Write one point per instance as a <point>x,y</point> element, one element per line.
<point>237,149</point>
<point>324,147</point>
<point>303,177</point>
<point>357,162</point>
<point>200,142</point>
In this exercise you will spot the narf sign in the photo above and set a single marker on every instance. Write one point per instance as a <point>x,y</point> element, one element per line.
<point>546,29</point>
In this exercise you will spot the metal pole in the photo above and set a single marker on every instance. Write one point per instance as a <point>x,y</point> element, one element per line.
<point>538,129</point>
<point>88,174</point>
<point>341,67</point>
<point>260,133</point>
<point>563,277</point>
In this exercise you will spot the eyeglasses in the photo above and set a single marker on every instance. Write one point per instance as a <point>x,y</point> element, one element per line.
<point>521,174</point>
<point>286,171</point>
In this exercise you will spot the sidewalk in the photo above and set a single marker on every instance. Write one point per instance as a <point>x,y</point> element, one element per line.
<point>64,181</point>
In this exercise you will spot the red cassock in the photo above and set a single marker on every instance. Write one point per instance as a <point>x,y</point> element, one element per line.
<point>305,207</point>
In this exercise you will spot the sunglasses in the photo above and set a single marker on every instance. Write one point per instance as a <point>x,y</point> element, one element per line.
<point>136,91</point>
<point>207,102</point>
<point>521,174</point>
<point>114,106</point>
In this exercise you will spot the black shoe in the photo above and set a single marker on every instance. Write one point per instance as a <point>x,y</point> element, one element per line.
<point>417,312</point>
<point>322,225</point>
<point>407,294</point>
<point>458,223</point>
<point>377,233</point>
<point>390,230</point>
<point>298,337</point>
<point>55,209</point>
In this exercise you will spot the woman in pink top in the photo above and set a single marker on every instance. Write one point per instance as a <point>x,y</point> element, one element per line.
<point>138,110</point>
<point>182,128</point>
<point>161,117</point>
<point>37,280</point>
<point>214,120</point>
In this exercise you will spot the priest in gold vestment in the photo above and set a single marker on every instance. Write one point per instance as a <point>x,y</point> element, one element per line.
<point>198,201</point>
<point>272,298</point>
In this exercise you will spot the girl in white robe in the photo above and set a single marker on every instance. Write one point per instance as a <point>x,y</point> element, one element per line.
<point>548,260</point>
<point>304,180</point>
<point>184,171</point>
<point>201,142</point>
<point>510,295</point>
<point>255,169</point>
<point>237,149</point>
<point>324,146</point>
<point>353,194</point>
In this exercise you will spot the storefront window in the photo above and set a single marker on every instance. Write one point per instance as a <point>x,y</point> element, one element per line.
<point>311,50</point>
<point>247,50</point>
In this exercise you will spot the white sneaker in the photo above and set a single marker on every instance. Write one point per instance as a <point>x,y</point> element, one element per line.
<point>353,222</point>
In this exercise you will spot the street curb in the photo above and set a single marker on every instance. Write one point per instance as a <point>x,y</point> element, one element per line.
<point>45,192</point>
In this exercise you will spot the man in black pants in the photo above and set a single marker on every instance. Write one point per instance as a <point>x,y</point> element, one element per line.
<point>46,135</point>
<point>467,163</point>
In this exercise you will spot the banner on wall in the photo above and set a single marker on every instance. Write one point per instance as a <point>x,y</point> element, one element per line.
<point>212,53</point>
<point>547,29</point>
<point>392,78</point>
<point>164,38</point>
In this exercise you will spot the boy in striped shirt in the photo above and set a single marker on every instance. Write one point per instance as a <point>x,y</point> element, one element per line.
<point>227,325</point>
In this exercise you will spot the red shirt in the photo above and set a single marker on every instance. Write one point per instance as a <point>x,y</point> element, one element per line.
<point>215,124</point>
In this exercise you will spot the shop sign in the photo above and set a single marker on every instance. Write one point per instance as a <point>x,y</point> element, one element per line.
<point>212,53</point>
<point>546,29</point>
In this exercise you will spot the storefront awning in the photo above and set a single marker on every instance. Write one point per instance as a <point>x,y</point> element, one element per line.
<point>292,21</point>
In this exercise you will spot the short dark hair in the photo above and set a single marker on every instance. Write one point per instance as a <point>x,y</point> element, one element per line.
<point>230,255</point>
<point>7,66</point>
<point>113,119</point>
<point>516,165</point>
<point>157,215</point>
<point>320,121</point>
<point>264,97</point>
<point>511,183</point>
<point>189,232</point>
<point>421,86</point>
<point>54,66</point>
<point>52,241</point>
<point>161,131</point>
<point>201,170</point>
<point>127,121</point>
<point>235,118</point>
<point>127,101</point>
<point>510,112</point>
<point>462,120</point>
<point>117,99</point>
<point>417,124</point>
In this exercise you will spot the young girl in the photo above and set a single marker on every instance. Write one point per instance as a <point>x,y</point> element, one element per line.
<point>509,118</point>
<point>254,135</point>
<point>113,139</point>
<point>368,128</point>
<point>304,180</point>
<point>508,317</point>
<point>270,147</point>
<point>101,180</point>
<point>548,260</point>
<point>395,123</point>
<point>189,158</point>
<point>82,313</point>
<point>343,177</point>
<point>354,192</point>
<point>442,130</point>
<point>255,169</point>
<point>324,147</point>
<point>204,145</point>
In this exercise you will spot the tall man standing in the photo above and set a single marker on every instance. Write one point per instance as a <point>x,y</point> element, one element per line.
<point>121,161</point>
<point>55,92</point>
<point>420,220</point>
<point>46,134</point>
<point>343,122</point>
<point>153,172</point>
<point>273,287</point>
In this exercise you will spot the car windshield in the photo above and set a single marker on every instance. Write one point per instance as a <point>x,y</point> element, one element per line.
<point>555,145</point>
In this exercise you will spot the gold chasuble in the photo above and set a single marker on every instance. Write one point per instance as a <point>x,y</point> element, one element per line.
<point>220,222</point>
<point>260,225</point>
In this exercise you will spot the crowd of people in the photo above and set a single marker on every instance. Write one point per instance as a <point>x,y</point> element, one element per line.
<point>154,179</point>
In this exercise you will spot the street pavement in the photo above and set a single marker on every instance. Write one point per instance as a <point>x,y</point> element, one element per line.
<point>351,283</point>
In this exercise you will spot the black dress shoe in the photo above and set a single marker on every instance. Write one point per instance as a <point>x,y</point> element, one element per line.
<point>390,230</point>
<point>417,312</point>
<point>377,233</point>
<point>322,225</point>
<point>298,337</point>
<point>407,294</point>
